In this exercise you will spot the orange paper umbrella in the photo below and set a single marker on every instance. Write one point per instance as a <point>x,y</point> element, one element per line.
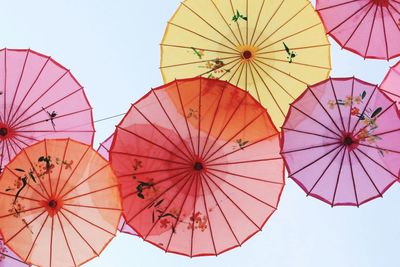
<point>199,166</point>
<point>60,203</point>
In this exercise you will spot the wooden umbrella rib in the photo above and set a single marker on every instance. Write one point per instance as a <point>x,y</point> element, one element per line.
<point>66,240</point>
<point>149,157</point>
<point>236,53</point>
<point>337,5</point>
<point>352,178</point>
<point>309,148</point>
<point>257,21</point>
<point>374,161</point>
<point>211,170</point>
<point>351,105</point>
<point>309,133</point>
<point>90,193</point>
<point>154,171</point>
<point>5,85</point>
<point>48,173</point>
<point>370,33</point>
<point>359,23</point>
<point>338,178</point>
<point>254,83</point>
<point>295,63</point>
<point>237,24</point>
<point>197,62</point>
<point>380,148</point>
<point>238,64</point>
<point>37,174</point>
<point>36,238</point>
<point>197,178</point>
<point>384,33</point>
<point>338,106</point>
<point>240,75</point>
<point>20,212</point>
<point>94,207</point>
<point>245,161</point>
<point>220,67</point>
<point>21,197</point>
<point>208,216</point>
<point>51,241</point>
<point>61,168</point>
<point>24,227</point>
<point>293,48</point>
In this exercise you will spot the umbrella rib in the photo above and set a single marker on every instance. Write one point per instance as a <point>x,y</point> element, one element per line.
<point>270,76</point>
<point>241,190</point>
<point>150,204</point>
<point>29,90</point>
<point>3,144</point>
<point>36,238</point>
<point>395,9</point>
<point>247,22</point>
<point>237,60</point>
<point>51,241</point>
<point>208,216</point>
<point>80,235</point>
<point>154,144</point>
<point>268,89</point>
<point>351,105</point>
<point>240,74</point>
<point>90,193</point>
<point>366,172</point>
<point>359,24</point>
<point>384,34</point>
<point>370,33</point>
<point>48,173</point>
<point>234,203</point>
<point>380,165</point>
<point>323,125</point>
<point>223,18</point>
<point>154,171</point>
<point>324,171</point>
<point>11,257</point>
<point>380,148</point>
<point>387,132</point>
<point>326,111</point>
<point>338,106</point>
<point>266,25</point>
<point>240,149</point>
<point>15,122</point>
<point>189,178</point>
<point>294,48</point>
<point>8,148</point>
<point>87,221</point>
<point>52,104</point>
<point>346,19</point>
<point>17,89</point>
<point>52,131</point>
<point>284,24</point>
<point>237,24</point>
<point>296,63</point>
<point>197,178</point>
<point>61,168</point>
<point>148,157</point>
<point>257,21</point>
<point>73,171</point>
<point>200,118</point>
<point>238,64</point>
<point>189,156</point>
<point>5,86</point>
<point>37,174</point>
<point>211,26</point>
<point>336,5</point>
<point>244,176</point>
<point>184,112</point>
<point>352,178</point>
<point>24,227</point>
<point>310,147</point>
<point>226,124</point>
<point>21,197</point>
<point>207,157</point>
<point>245,161</point>
<point>20,212</point>
<point>198,48</point>
<point>94,207</point>
<point>85,180</point>
<point>197,62</point>
<point>220,209</point>
<point>309,133</point>
<point>66,240</point>
<point>202,36</point>
<point>254,82</point>
<point>390,93</point>
<point>337,179</point>
<point>26,137</point>
<point>314,161</point>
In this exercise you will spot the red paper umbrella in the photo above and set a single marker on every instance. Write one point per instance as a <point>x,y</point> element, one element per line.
<point>104,150</point>
<point>369,28</point>
<point>8,258</point>
<point>39,99</point>
<point>199,165</point>
<point>341,141</point>
<point>391,83</point>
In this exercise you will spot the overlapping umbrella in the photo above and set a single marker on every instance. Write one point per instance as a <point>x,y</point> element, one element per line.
<point>391,83</point>
<point>60,203</point>
<point>273,49</point>
<point>104,150</point>
<point>369,28</point>
<point>341,141</point>
<point>202,176</point>
<point>8,258</point>
<point>39,99</point>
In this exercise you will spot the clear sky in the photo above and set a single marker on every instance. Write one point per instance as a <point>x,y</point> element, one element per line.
<point>112,48</point>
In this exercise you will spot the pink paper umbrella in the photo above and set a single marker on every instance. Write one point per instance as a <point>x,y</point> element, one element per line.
<point>39,99</point>
<point>369,28</point>
<point>8,258</point>
<point>391,83</point>
<point>341,141</point>
<point>104,150</point>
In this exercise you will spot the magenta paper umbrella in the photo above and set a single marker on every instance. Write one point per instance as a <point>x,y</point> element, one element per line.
<point>39,99</point>
<point>369,28</point>
<point>104,150</point>
<point>8,258</point>
<point>341,141</point>
<point>391,83</point>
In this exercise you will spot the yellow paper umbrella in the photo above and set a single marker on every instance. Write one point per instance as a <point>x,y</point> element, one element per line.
<point>271,48</point>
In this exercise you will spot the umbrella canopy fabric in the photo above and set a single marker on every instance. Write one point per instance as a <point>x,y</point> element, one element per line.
<point>201,177</point>
<point>8,258</point>
<point>39,99</point>
<point>391,83</point>
<point>104,150</point>
<point>341,141</point>
<point>369,28</point>
<point>60,203</point>
<point>273,49</point>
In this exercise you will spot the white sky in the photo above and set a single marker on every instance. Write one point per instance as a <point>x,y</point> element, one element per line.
<point>112,48</point>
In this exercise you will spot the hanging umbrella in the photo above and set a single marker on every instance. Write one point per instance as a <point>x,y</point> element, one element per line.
<point>60,203</point>
<point>39,99</point>
<point>273,49</point>
<point>104,150</point>
<point>8,258</point>
<point>344,151</point>
<point>369,28</point>
<point>391,83</point>
<point>201,177</point>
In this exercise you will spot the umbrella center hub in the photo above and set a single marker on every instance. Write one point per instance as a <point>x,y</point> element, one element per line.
<point>348,141</point>
<point>384,3</point>
<point>198,166</point>
<point>247,54</point>
<point>3,131</point>
<point>52,204</point>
